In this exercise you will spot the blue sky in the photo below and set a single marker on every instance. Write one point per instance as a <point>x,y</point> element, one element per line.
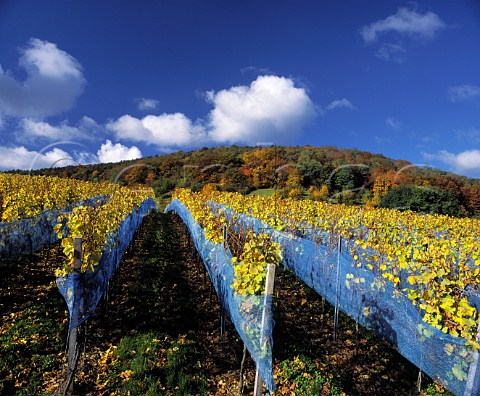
<point>102,81</point>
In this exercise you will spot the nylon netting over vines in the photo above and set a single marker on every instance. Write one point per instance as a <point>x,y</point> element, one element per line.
<point>372,301</point>
<point>28,235</point>
<point>245,312</point>
<point>84,290</point>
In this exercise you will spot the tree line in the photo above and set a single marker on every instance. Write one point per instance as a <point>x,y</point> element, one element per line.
<point>347,176</point>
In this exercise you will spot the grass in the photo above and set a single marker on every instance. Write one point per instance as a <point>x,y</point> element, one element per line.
<point>155,364</point>
<point>263,192</point>
<point>305,377</point>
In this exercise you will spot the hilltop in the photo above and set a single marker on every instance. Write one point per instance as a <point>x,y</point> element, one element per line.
<point>323,173</point>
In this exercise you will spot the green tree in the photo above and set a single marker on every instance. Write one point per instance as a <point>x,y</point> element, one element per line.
<point>343,178</point>
<point>422,199</point>
<point>162,185</point>
<point>312,172</point>
<point>236,181</point>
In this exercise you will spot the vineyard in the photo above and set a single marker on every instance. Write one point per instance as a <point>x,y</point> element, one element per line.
<point>273,264</point>
<point>412,279</point>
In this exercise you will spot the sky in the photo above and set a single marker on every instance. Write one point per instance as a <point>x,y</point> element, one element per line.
<point>104,81</point>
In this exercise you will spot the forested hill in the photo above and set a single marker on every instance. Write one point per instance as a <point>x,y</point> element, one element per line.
<point>322,173</point>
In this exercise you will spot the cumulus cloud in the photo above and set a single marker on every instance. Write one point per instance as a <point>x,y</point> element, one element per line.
<point>145,104</point>
<point>85,157</point>
<point>20,157</point>
<point>54,80</point>
<point>32,130</point>
<point>467,162</point>
<point>117,152</point>
<point>339,103</point>
<point>405,23</point>
<point>165,130</point>
<point>270,109</point>
<point>462,93</point>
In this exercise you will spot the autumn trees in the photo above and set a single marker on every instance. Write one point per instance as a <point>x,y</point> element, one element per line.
<point>321,173</point>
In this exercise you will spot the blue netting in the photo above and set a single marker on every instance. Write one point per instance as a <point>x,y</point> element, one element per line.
<point>374,302</point>
<point>245,312</point>
<point>85,290</point>
<point>28,235</point>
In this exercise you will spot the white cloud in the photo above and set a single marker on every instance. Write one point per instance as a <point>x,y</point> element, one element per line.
<point>270,109</point>
<point>145,104</point>
<point>405,23</point>
<point>33,130</point>
<point>467,162</point>
<point>40,129</point>
<point>339,103</point>
<point>85,158</point>
<point>461,93</point>
<point>54,81</point>
<point>21,158</point>
<point>110,152</point>
<point>165,130</point>
<point>393,123</point>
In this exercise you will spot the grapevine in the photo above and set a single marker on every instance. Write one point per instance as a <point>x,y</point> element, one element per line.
<point>95,225</point>
<point>251,253</point>
<point>433,259</point>
<point>24,196</point>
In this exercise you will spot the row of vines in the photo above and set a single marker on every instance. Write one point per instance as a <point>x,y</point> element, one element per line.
<point>24,196</point>
<point>103,215</point>
<point>432,261</point>
<point>251,252</point>
<point>28,196</point>
<point>435,259</point>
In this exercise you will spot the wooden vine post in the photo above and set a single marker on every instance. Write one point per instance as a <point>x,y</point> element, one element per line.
<point>473,379</point>
<point>337,291</point>
<point>223,311</point>
<point>257,390</point>
<point>72,336</point>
